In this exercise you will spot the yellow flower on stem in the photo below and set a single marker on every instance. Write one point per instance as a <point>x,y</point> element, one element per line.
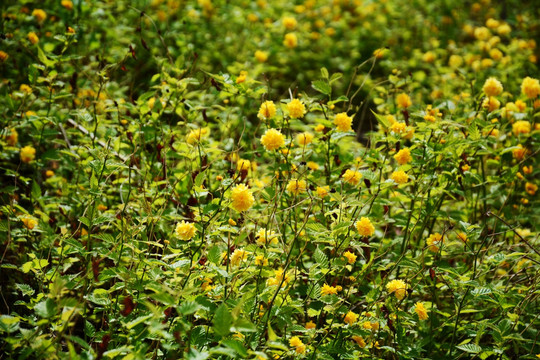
<point>350,318</point>
<point>352,176</point>
<point>296,186</point>
<point>185,230</point>
<point>398,288</point>
<point>28,153</point>
<point>365,227</point>
<point>421,311</point>
<point>296,109</point>
<point>272,139</point>
<point>242,198</point>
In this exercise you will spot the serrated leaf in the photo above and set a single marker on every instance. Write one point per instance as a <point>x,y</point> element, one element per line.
<point>222,320</point>
<point>46,308</point>
<point>188,307</point>
<point>321,258</point>
<point>470,348</point>
<point>43,58</point>
<point>321,86</point>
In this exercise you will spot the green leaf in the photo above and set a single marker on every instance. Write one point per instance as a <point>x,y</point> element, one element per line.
<point>321,258</point>
<point>324,73</point>
<point>222,320</point>
<point>188,307</point>
<point>470,348</point>
<point>197,355</point>
<point>214,254</point>
<point>89,329</point>
<point>237,347</point>
<point>382,120</point>
<point>138,320</point>
<point>36,190</point>
<point>25,288</point>
<point>43,58</point>
<point>322,87</point>
<point>46,308</point>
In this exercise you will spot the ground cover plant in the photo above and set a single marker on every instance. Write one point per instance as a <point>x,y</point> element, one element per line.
<point>213,179</point>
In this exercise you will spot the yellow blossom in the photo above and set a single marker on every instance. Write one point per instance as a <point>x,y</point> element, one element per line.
<point>242,198</point>
<point>272,139</point>
<point>260,260</point>
<point>403,101</point>
<point>238,256</point>
<point>359,341</point>
<point>398,288</point>
<point>521,127</point>
<point>196,135</point>
<point>319,128</point>
<point>531,188</point>
<point>365,227</point>
<point>33,38</point>
<point>265,237</point>
<point>290,41</point>
<point>351,258</point>
<point>519,152</point>
<point>462,236</point>
<point>403,156</point>
<point>29,222</point>
<point>39,14</point>
<point>310,325</point>
<point>328,290</point>
<point>304,139</point>
<point>231,222</point>
<point>350,318</point>
<point>343,122</point>
<point>491,104</point>
<point>400,177</point>
<point>25,89</point>
<point>241,77</point>
<point>49,173</point>
<point>261,56</point>
<point>312,165</point>
<point>433,242</point>
<point>13,137</point>
<point>3,56</point>
<point>267,110</point>
<point>296,186</point>
<point>492,87</point>
<point>289,22</point>
<point>296,343</point>
<point>322,191</point>
<point>28,153</point>
<point>398,128</point>
<point>296,109</point>
<point>68,4</point>
<point>352,176</point>
<point>530,87</point>
<point>185,230</point>
<point>421,311</point>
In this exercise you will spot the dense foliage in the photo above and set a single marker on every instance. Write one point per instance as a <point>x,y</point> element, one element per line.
<point>261,179</point>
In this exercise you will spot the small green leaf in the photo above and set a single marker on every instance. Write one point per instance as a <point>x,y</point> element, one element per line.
<point>470,348</point>
<point>322,87</point>
<point>43,58</point>
<point>46,308</point>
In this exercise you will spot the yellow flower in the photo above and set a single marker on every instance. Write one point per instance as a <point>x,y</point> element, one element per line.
<point>322,191</point>
<point>296,109</point>
<point>68,4</point>
<point>531,188</point>
<point>398,288</point>
<point>343,122</point>
<point>25,89</point>
<point>196,135</point>
<point>272,139</point>
<point>365,227</point>
<point>278,276</point>
<point>289,22</point>
<point>232,222</point>
<point>312,165</point>
<point>261,56</point>
<point>403,100</point>
<point>319,128</point>
<point>433,242</point>
<point>379,53</point>
<point>403,156</point>
<point>241,77</point>
<point>400,177</point>
<point>266,237</point>
<point>492,87</point>
<point>3,56</point>
<point>328,290</point>
<point>527,169</point>
<point>428,57</point>
<point>304,139</point>
<point>102,207</point>
<point>310,325</point>
<point>351,258</point>
<point>530,87</point>
<point>491,104</point>
<point>260,260</point>
<point>33,37</point>
<point>290,41</point>
<point>519,153</point>
<point>29,222</point>
<point>421,311</point>
<point>455,61</point>
<point>242,198</point>
<point>350,318</point>
<point>185,230</point>
<point>462,236</point>
<point>39,14</point>
<point>28,153</point>
<point>398,128</point>
<point>359,341</point>
<point>352,176</point>
<point>12,138</point>
<point>238,256</point>
<point>49,173</point>
<point>243,164</point>
<point>521,127</point>
<point>296,343</point>
<point>267,110</point>
<point>296,186</point>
